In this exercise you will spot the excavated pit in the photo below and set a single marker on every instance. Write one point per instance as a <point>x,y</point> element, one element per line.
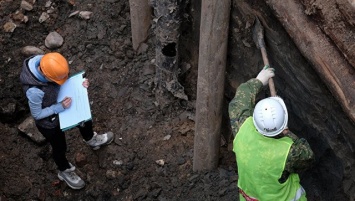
<point>123,100</point>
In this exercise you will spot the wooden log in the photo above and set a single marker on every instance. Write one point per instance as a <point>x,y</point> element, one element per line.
<point>326,58</point>
<point>141,13</point>
<point>336,18</point>
<point>167,32</point>
<point>210,83</point>
<point>352,3</point>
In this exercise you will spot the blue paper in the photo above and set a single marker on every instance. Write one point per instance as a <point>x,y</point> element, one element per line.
<point>79,111</point>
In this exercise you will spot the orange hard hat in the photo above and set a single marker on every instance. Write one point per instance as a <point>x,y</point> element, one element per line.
<point>55,67</point>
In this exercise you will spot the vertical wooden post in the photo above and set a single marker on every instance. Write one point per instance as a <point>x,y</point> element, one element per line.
<point>167,32</point>
<point>210,83</point>
<point>141,16</point>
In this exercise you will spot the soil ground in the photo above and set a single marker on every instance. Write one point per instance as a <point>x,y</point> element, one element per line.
<point>123,101</point>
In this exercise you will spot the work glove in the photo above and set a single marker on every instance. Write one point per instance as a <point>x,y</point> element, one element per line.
<point>266,74</point>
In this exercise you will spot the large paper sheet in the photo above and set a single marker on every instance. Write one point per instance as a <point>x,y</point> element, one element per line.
<point>79,111</point>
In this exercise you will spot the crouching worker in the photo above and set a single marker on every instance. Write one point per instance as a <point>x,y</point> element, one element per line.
<point>41,78</point>
<point>269,156</point>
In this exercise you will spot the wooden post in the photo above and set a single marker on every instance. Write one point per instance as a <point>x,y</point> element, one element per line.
<point>210,83</point>
<point>167,32</point>
<point>141,18</point>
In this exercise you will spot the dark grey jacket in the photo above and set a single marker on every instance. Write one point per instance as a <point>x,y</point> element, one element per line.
<point>50,90</point>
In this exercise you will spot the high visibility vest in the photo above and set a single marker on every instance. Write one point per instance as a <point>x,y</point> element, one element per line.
<point>261,161</point>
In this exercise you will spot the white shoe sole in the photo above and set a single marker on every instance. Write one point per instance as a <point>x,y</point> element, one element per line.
<point>71,186</point>
<point>99,146</point>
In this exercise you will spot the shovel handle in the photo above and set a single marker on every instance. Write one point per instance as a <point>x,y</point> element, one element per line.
<point>266,62</point>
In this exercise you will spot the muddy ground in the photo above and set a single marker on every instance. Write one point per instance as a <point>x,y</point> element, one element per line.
<point>123,101</point>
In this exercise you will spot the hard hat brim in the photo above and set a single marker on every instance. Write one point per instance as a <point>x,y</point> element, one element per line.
<point>60,82</point>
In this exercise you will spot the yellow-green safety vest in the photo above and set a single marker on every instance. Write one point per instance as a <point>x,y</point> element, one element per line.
<point>261,161</point>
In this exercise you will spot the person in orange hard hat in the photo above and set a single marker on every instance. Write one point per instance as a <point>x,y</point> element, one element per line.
<point>41,78</point>
<point>55,67</point>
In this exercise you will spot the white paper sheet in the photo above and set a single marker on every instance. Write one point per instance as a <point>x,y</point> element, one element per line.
<point>79,111</point>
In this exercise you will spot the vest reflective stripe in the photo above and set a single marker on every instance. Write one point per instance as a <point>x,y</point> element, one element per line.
<point>299,194</point>
<point>247,197</point>
<point>261,161</point>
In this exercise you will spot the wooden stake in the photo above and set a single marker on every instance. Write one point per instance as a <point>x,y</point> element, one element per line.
<point>141,14</point>
<point>210,84</point>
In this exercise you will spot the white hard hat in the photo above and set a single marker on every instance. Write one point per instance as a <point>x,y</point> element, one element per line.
<point>270,116</point>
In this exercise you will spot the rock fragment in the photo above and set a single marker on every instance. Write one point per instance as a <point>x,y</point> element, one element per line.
<point>19,17</point>
<point>9,27</point>
<point>53,40</point>
<point>26,6</point>
<point>29,128</point>
<point>167,137</point>
<point>31,50</point>
<point>85,15</point>
<point>44,16</point>
<point>48,4</point>
<point>160,162</point>
<point>117,162</point>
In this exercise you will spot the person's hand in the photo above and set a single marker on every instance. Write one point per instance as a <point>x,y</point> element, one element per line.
<point>66,102</point>
<point>86,83</point>
<point>285,131</point>
<point>265,74</point>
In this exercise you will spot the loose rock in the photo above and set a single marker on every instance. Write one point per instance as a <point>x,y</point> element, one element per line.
<point>26,6</point>
<point>9,26</point>
<point>31,50</point>
<point>19,17</point>
<point>160,162</point>
<point>85,15</point>
<point>48,4</point>
<point>54,40</point>
<point>167,137</point>
<point>117,162</point>
<point>29,128</point>
<point>44,17</point>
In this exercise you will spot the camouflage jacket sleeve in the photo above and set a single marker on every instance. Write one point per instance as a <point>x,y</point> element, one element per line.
<point>300,156</point>
<point>242,105</point>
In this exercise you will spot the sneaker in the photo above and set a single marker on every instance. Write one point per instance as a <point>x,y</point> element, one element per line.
<point>71,178</point>
<point>98,140</point>
<point>72,167</point>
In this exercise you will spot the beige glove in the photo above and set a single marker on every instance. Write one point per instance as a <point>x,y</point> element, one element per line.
<point>265,75</point>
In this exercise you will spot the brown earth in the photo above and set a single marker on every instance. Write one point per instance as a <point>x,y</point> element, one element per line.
<point>123,101</point>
